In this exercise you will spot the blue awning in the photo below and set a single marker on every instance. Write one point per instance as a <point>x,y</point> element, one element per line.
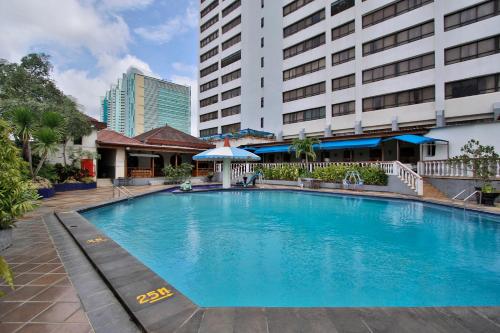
<point>272,149</point>
<point>342,144</point>
<point>350,144</point>
<point>411,138</point>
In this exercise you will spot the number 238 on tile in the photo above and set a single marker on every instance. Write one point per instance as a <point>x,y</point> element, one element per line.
<point>154,295</point>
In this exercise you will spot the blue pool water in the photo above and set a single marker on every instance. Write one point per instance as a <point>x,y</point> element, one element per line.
<point>283,248</point>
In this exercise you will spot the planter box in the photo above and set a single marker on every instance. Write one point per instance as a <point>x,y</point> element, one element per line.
<point>74,186</point>
<point>279,182</point>
<point>46,192</point>
<point>5,238</point>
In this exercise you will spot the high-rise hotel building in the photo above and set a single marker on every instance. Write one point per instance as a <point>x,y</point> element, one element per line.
<point>139,103</point>
<point>322,67</point>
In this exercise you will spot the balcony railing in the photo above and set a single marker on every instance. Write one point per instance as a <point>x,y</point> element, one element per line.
<point>445,168</point>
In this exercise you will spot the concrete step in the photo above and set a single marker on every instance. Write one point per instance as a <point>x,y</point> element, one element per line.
<point>432,192</point>
<point>104,182</point>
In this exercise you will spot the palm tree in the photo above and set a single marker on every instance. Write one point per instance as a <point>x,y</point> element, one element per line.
<point>47,142</point>
<point>24,121</point>
<point>304,146</point>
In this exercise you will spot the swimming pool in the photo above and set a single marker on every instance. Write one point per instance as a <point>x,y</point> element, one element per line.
<point>285,248</point>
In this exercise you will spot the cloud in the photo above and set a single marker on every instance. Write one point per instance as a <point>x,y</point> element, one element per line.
<point>193,83</point>
<point>175,26</point>
<point>125,4</point>
<point>73,25</point>
<point>184,68</point>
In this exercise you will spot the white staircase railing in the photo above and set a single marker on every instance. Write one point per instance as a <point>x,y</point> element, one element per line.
<point>396,168</point>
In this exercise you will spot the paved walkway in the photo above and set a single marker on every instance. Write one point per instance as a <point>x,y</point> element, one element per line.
<point>44,299</point>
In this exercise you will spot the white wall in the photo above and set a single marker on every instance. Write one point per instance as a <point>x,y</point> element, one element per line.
<point>458,136</point>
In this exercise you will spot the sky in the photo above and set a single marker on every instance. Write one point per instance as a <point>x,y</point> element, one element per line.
<point>92,42</point>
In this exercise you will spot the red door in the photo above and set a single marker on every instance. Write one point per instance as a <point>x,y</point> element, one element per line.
<point>88,164</point>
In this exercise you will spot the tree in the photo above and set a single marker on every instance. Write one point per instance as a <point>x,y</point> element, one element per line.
<point>304,146</point>
<point>24,123</point>
<point>47,142</point>
<point>480,159</point>
<point>77,125</point>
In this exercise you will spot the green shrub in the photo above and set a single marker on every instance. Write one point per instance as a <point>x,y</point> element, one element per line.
<point>178,174</point>
<point>371,175</point>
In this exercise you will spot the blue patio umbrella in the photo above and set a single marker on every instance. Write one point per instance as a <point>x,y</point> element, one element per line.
<point>226,154</point>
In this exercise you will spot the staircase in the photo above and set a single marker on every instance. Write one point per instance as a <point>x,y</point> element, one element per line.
<point>104,182</point>
<point>430,192</point>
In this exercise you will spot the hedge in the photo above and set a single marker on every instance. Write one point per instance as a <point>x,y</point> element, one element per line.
<point>371,175</point>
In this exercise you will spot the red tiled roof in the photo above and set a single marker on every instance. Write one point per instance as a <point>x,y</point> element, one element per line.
<point>167,135</point>
<point>107,136</point>
<point>99,125</point>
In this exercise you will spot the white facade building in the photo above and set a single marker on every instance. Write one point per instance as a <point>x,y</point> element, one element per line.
<point>347,67</point>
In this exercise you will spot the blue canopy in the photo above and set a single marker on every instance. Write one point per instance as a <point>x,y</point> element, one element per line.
<point>350,144</point>
<point>330,145</point>
<point>411,138</point>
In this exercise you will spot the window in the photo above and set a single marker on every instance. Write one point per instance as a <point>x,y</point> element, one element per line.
<point>392,10</point>
<point>209,101</point>
<point>474,86</point>
<point>340,6</point>
<point>401,98</point>
<point>472,50</point>
<point>232,128</point>
<point>343,82</point>
<point>341,109</point>
<point>208,132</point>
<point>304,115</point>
<point>209,54</point>
<point>343,30</point>
<point>293,6</point>
<point>230,93</point>
<point>209,85</point>
<point>399,38</point>
<point>304,69</point>
<point>230,59</point>
<point>77,141</point>
<point>304,23</point>
<point>261,122</point>
<point>431,149</point>
<point>261,62</point>
<point>230,111</point>
<point>304,46</point>
<point>209,8</point>
<point>210,69</point>
<point>231,76</point>
<point>231,41</point>
<point>262,42</point>
<point>262,22</point>
<point>233,23</point>
<point>402,67</point>
<point>209,23</point>
<point>261,3</point>
<point>226,11</point>
<point>205,41</point>
<point>262,102</point>
<point>208,116</point>
<point>343,56</point>
<point>304,92</point>
<point>472,14</point>
<point>262,82</point>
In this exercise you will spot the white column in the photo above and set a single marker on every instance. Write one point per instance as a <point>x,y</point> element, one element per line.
<point>226,173</point>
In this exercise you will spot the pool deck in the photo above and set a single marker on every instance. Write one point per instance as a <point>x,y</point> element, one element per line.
<point>97,287</point>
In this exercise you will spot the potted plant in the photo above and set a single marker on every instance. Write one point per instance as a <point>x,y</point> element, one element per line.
<point>210,176</point>
<point>480,160</point>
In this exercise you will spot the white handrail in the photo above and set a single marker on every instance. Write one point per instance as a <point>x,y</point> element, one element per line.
<point>446,168</point>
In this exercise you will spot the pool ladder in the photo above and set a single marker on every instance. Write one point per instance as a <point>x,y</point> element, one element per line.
<point>122,190</point>
<point>469,196</point>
